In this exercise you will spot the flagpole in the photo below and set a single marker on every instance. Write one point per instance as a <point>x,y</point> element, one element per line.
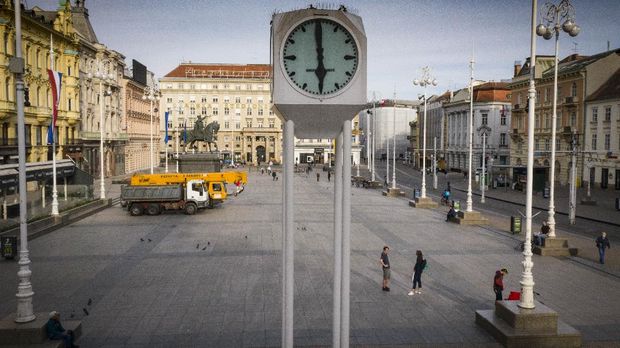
<point>54,188</point>
<point>166,140</point>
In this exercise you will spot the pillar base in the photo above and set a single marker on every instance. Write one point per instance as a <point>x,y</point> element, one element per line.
<point>393,192</point>
<point>517,327</point>
<point>423,202</point>
<point>375,184</point>
<point>33,333</point>
<point>554,247</point>
<point>471,218</point>
<point>588,201</point>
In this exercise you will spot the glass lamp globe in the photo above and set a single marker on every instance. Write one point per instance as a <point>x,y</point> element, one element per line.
<point>541,29</point>
<point>416,82</point>
<point>575,31</point>
<point>434,82</point>
<point>548,34</point>
<point>568,25</point>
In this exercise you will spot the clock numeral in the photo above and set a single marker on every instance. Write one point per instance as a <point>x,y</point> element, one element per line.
<point>291,41</point>
<point>304,86</point>
<point>348,57</point>
<point>348,73</point>
<point>291,57</point>
<point>335,29</point>
<point>337,85</point>
<point>347,41</point>
<point>303,28</point>
<point>291,74</point>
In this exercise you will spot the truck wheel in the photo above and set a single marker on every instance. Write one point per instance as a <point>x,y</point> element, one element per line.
<point>190,209</point>
<point>136,209</point>
<point>153,209</point>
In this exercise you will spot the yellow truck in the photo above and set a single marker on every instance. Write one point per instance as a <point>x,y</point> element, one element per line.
<point>214,183</point>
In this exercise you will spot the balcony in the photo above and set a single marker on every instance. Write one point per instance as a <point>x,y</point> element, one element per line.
<point>571,101</point>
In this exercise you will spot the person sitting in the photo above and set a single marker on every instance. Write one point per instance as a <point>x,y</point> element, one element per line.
<point>539,237</point>
<point>451,213</point>
<point>55,331</point>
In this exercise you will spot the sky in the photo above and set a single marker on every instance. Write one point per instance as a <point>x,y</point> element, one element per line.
<point>403,36</point>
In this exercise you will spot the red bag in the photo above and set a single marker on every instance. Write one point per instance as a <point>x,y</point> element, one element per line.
<point>514,296</point>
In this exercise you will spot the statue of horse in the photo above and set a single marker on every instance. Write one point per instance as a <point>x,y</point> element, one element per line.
<point>207,134</point>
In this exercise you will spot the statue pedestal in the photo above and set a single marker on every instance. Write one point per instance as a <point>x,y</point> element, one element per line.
<point>199,162</point>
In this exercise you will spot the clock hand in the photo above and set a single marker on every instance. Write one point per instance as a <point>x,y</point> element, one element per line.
<point>320,71</point>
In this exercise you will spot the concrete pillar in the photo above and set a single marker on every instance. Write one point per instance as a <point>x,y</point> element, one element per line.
<point>43,195</point>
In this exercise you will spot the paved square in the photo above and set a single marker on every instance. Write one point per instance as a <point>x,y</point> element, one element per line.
<point>213,279</point>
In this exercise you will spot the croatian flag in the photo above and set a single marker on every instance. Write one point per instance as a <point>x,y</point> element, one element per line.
<point>55,82</point>
<point>166,117</point>
<point>185,131</point>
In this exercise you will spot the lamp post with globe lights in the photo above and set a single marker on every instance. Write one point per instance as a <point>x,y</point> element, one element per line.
<point>424,81</point>
<point>101,73</point>
<point>555,17</point>
<point>152,94</point>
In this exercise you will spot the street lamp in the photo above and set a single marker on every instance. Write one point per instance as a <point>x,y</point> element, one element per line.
<point>552,15</point>
<point>101,73</point>
<point>424,81</point>
<point>484,131</point>
<point>177,138</point>
<point>394,143</point>
<point>152,94</point>
<point>470,133</point>
<point>573,138</point>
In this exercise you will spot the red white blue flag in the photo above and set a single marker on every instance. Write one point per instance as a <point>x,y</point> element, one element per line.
<point>55,82</point>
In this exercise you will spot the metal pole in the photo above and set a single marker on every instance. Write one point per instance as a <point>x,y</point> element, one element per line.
<point>65,187</point>
<point>374,137</point>
<point>527,278</point>
<point>54,136</point>
<point>573,174</point>
<point>24,288</point>
<point>368,139</point>
<point>338,185</point>
<point>470,133</point>
<point>483,178</point>
<point>387,156</point>
<point>176,141</point>
<point>151,100</point>
<point>101,101</point>
<point>434,163</point>
<point>551,220</point>
<point>394,143</point>
<point>346,235</point>
<point>289,235</point>
<point>423,193</point>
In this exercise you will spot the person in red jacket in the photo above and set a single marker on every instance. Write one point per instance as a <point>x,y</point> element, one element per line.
<point>498,283</point>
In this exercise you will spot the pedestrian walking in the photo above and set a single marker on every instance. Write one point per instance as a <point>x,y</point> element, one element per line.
<point>262,171</point>
<point>416,278</point>
<point>498,283</point>
<point>385,266</point>
<point>329,175</point>
<point>274,175</point>
<point>602,242</point>
<point>318,176</point>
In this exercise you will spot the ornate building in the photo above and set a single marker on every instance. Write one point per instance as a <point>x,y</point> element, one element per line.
<point>236,96</point>
<point>36,33</point>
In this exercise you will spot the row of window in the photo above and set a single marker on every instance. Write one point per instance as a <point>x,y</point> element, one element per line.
<point>215,111</point>
<point>236,87</point>
<point>215,99</point>
<point>548,94</point>
<point>40,133</point>
<point>607,114</point>
<point>607,144</point>
<point>485,118</point>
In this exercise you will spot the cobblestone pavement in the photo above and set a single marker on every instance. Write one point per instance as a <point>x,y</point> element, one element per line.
<point>213,279</point>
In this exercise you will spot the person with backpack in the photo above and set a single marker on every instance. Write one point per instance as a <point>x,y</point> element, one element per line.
<point>420,265</point>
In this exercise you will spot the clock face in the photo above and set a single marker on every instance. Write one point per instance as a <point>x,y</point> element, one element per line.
<point>320,57</point>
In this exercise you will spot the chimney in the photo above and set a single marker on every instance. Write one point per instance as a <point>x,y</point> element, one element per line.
<point>517,67</point>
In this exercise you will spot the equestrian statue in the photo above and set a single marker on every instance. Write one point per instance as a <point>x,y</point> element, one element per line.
<point>202,133</point>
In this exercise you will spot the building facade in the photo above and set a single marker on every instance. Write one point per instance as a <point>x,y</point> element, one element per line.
<point>602,135</point>
<point>578,77</point>
<point>491,112</point>
<point>36,33</point>
<point>436,124</point>
<point>238,97</point>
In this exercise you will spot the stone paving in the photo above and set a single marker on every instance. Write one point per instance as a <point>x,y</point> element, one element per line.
<point>213,279</point>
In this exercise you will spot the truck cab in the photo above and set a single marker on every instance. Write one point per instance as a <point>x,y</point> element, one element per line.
<point>217,192</point>
<point>196,192</point>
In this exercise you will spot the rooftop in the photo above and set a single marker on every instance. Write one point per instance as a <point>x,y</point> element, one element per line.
<point>216,70</point>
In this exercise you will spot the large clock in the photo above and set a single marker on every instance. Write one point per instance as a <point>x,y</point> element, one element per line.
<point>320,57</point>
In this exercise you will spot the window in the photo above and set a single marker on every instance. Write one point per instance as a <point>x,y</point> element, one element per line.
<point>68,68</point>
<point>226,100</point>
<point>192,99</point>
<point>215,86</point>
<point>272,123</point>
<point>214,99</point>
<point>573,119</point>
<point>248,122</point>
<point>192,110</point>
<point>226,124</point>
<point>260,123</point>
<point>238,87</point>
<point>607,142</point>
<point>537,145</point>
<point>237,100</point>
<point>485,119</point>
<point>168,100</point>
<point>594,114</point>
<point>546,95</point>
<point>248,100</point>
<point>607,113</point>
<point>6,43</point>
<point>260,112</point>
<point>547,145</point>
<point>573,89</point>
<point>548,121</point>
<point>593,141</point>
<point>39,134</point>
<point>28,134</point>
<point>237,112</point>
<point>519,98</point>
<point>558,144</point>
<point>248,87</point>
<point>192,86</point>
<point>181,86</point>
<point>203,99</point>
<point>203,111</point>
<point>226,111</point>
<point>503,118</point>
<point>237,125</point>
<point>69,104</point>
<point>260,100</point>
<point>216,111</point>
<point>502,139</point>
<point>249,112</point>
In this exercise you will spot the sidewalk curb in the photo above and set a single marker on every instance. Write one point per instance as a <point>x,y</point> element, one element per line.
<point>539,208</point>
<point>46,225</point>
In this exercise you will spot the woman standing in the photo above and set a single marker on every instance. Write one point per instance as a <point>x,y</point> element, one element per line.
<point>420,264</point>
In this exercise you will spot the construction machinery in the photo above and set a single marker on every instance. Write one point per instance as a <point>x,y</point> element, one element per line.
<point>153,199</point>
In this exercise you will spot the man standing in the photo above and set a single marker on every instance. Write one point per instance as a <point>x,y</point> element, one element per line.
<point>385,265</point>
<point>498,283</point>
<point>329,175</point>
<point>318,176</point>
<point>602,242</point>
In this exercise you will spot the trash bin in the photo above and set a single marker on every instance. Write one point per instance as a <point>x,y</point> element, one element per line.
<point>546,192</point>
<point>8,247</point>
<point>416,193</point>
<point>515,224</point>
